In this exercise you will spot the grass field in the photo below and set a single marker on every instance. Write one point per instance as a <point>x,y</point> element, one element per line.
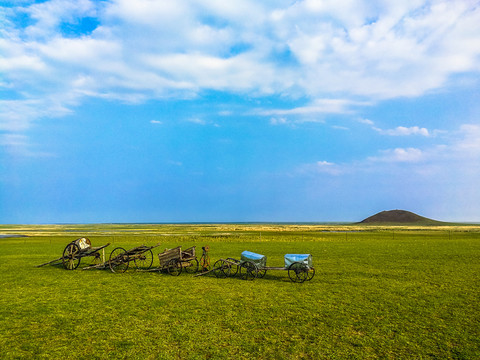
<point>378,292</point>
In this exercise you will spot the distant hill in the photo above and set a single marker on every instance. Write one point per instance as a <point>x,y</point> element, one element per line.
<point>399,217</point>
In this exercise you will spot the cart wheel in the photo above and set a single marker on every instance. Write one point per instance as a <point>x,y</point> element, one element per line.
<point>191,266</point>
<point>228,269</point>
<point>248,270</point>
<point>310,274</point>
<point>261,273</point>
<point>233,268</point>
<point>144,260</point>
<point>297,272</point>
<point>218,269</point>
<point>118,260</point>
<point>71,256</point>
<point>174,267</point>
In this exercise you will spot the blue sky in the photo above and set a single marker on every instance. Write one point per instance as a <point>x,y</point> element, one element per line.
<point>238,111</point>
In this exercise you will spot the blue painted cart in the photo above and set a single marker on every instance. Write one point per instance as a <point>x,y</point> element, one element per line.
<point>252,265</point>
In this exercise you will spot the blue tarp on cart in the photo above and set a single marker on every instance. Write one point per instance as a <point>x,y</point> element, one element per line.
<point>301,258</point>
<point>258,259</point>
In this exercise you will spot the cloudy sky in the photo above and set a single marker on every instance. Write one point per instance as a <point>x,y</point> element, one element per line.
<point>229,111</point>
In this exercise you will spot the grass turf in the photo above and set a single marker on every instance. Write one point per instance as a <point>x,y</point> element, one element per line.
<point>389,293</point>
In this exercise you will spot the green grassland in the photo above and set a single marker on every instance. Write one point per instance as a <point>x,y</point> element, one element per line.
<point>379,292</point>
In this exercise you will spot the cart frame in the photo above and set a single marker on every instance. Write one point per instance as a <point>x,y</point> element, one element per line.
<point>298,272</point>
<point>119,260</point>
<point>175,260</point>
<point>75,251</point>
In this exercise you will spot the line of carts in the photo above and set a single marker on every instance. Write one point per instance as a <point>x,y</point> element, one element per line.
<point>175,261</point>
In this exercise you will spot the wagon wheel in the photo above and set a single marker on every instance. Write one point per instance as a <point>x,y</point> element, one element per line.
<point>71,256</point>
<point>174,267</point>
<point>118,260</point>
<point>261,273</point>
<point>248,270</point>
<point>233,268</point>
<point>310,274</point>
<point>144,260</point>
<point>297,272</point>
<point>228,269</point>
<point>191,266</point>
<point>218,269</point>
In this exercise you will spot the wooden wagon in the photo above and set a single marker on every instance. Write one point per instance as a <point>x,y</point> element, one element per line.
<point>75,251</point>
<point>252,266</point>
<point>175,260</point>
<point>120,259</point>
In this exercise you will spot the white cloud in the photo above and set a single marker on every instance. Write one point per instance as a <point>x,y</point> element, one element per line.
<point>366,121</point>
<point>278,121</point>
<point>404,131</point>
<point>320,167</point>
<point>197,71</point>
<point>459,154</point>
<point>398,131</point>
<point>196,120</point>
<point>50,14</point>
<point>412,155</point>
<point>330,53</point>
<point>398,53</point>
<point>319,106</point>
<point>20,145</point>
<point>17,115</point>
<point>469,143</point>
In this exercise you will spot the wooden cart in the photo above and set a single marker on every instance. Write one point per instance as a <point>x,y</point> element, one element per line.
<point>252,266</point>
<point>75,251</point>
<point>175,260</point>
<point>119,260</point>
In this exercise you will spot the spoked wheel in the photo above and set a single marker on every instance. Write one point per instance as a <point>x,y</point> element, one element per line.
<point>191,266</point>
<point>118,260</point>
<point>310,274</point>
<point>144,260</point>
<point>229,269</point>
<point>71,256</point>
<point>233,268</point>
<point>297,272</point>
<point>221,269</point>
<point>261,273</point>
<point>174,267</point>
<point>248,270</point>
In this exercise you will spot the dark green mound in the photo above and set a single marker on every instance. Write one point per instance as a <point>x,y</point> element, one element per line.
<point>399,217</point>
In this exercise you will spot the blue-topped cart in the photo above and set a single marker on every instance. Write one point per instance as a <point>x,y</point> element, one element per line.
<point>252,265</point>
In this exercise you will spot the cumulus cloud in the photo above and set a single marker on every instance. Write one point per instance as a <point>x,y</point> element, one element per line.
<point>337,55</point>
<point>49,15</point>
